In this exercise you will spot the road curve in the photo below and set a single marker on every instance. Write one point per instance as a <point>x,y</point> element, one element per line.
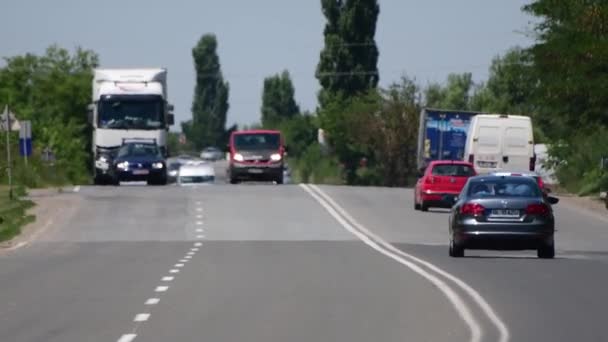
<point>271,263</point>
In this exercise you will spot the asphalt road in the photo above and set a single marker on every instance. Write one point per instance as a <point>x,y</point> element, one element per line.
<point>290,263</point>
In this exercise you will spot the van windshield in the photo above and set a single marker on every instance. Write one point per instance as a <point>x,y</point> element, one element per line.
<point>257,141</point>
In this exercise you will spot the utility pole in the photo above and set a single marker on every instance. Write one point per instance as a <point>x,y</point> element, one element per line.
<point>8,151</point>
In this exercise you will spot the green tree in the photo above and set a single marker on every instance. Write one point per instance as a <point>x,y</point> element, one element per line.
<point>348,62</point>
<point>53,91</point>
<point>278,103</point>
<point>210,104</point>
<point>454,95</point>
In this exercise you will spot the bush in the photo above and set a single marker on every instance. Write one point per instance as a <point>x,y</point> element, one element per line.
<point>315,167</point>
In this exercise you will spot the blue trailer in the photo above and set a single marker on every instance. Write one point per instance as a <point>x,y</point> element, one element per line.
<point>442,134</point>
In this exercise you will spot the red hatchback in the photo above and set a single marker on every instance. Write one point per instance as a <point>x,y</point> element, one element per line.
<point>441,177</point>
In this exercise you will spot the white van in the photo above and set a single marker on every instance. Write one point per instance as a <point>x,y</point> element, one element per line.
<point>500,142</point>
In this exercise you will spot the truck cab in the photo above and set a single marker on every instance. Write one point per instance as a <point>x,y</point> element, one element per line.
<point>127,103</point>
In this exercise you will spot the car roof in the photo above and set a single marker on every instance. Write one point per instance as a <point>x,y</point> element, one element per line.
<point>489,178</point>
<point>257,131</point>
<point>454,162</point>
<point>515,174</point>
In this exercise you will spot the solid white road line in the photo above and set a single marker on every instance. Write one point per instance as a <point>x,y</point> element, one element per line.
<point>142,317</point>
<point>476,296</point>
<point>167,278</point>
<point>161,288</point>
<point>457,302</point>
<point>152,301</point>
<point>127,338</point>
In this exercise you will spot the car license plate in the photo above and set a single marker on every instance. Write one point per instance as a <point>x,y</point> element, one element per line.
<point>256,171</point>
<point>140,172</point>
<point>504,213</point>
<point>487,164</point>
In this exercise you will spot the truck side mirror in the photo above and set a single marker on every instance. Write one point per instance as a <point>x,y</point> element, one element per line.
<point>170,107</point>
<point>90,111</point>
<point>171,119</point>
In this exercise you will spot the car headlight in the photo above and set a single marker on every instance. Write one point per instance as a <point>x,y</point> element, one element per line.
<point>123,165</point>
<point>238,157</point>
<point>275,157</point>
<point>158,165</point>
<point>173,173</point>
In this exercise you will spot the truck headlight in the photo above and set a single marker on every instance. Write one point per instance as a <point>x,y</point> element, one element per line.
<point>102,163</point>
<point>124,165</point>
<point>275,157</point>
<point>238,157</point>
<point>158,165</point>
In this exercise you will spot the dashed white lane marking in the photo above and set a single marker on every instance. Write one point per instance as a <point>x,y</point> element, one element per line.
<point>142,317</point>
<point>198,244</point>
<point>199,216</point>
<point>184,260</point>
<point>190,253</point>
<point>200,236</point>
<point>174,271</point>
<point>127,338</point>
<point>198,203</point>
<point>200,223</point>
<point>188,257</point>
<point>199,209</point>
<point>179,265</point>
<point>168,278</point>
<point>200,230</point>
<point>194,249</point>
<point>152,301</point>
<point>161,288</point>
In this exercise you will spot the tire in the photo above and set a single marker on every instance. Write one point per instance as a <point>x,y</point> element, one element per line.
<point>279,179</point>
<point>424,207</point>
<point>546,252</point>
<point>456,251</point>
<point>116,182</point>
<point>98,181</point>
<point>234,181</point>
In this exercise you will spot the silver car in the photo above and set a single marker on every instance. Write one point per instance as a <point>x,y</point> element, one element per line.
<point>502,213</point>
<point>212,154</point>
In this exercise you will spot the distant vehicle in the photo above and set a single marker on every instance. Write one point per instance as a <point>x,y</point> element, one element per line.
<point>442,135</point>
<point>502,213</point>
<point>196,174</point>
<point>127,103</point>
<point>212,154</point>
<point>139,161</point>
<point>441,178</point>
<point>535,175</point>
<point>256,155</point>
<point>500,142</point>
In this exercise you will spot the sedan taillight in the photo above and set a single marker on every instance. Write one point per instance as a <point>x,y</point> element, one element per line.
<point>537,209</point>
<point>474,209</point>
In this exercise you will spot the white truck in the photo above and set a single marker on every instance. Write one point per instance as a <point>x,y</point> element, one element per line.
<point>127,104</point>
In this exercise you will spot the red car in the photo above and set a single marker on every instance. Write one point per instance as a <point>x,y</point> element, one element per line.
<point>441,178</point>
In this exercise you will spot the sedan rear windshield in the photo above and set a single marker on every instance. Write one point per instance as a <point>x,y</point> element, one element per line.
<point>503,188</point>
<point>452,170</point>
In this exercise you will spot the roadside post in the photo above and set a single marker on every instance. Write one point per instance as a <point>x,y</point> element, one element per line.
<point>9,123</point>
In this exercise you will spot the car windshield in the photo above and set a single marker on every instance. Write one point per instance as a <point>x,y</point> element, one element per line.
<point>257,141</point>
<point>131,112</point>
<point>138,150</point>
<point>453,170</point>
<point>195,179</point>
<point>503,188</point>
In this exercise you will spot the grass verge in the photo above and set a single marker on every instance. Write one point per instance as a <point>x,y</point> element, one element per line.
<point>13,214</point>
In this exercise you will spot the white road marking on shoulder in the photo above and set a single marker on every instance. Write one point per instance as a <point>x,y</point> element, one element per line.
<point>77,188</point>
<point>142,317</point>
<point>384,247</point>
<point>127,338</point>
<point>161,288</point>
<point>152,301</point>
<point>167,278</point>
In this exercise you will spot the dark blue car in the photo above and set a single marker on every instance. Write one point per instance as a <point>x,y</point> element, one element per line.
<point>140,161</point>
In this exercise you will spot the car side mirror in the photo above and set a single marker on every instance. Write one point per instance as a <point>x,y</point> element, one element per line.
<point>171,119</point>
<point>90,111</point>
<point>552,200</point>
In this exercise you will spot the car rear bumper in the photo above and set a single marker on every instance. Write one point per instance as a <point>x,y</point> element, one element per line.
<point>503,240</point>
<point>437,199</point>
<point>128,176</point>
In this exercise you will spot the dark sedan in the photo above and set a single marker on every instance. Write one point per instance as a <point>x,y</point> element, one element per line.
<point>137,161</point>
<point>502,213</point>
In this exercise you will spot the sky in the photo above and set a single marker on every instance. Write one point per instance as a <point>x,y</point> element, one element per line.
<point>425,39</point>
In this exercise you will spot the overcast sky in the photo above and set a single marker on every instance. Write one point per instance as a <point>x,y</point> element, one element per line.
<point>427,39</point>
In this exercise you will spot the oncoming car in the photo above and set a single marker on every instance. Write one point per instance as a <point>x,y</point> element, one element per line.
<point>195,174</point>
<point>441,178</point>
<point>139,161</point>
<point>502,213</point>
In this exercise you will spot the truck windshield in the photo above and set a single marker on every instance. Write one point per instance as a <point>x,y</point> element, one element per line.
<point>257,141</point>
<point>131,112</point>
